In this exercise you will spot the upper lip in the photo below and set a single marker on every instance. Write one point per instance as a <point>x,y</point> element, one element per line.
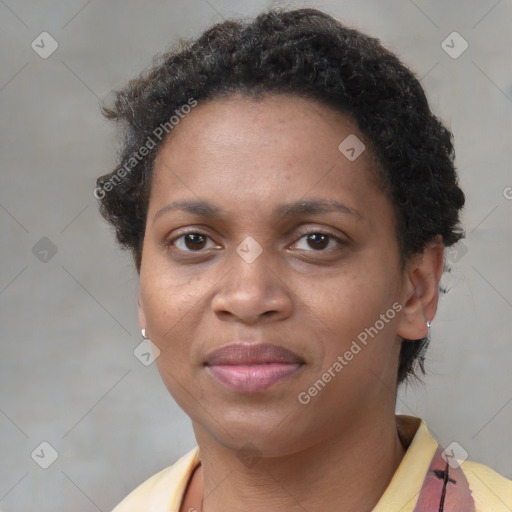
<point>239,353</point>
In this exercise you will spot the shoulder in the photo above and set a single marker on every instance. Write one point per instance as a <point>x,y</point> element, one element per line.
<point>163,491</point>
<point>491,491</point>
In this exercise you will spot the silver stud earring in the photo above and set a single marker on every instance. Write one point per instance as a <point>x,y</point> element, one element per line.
<point>143,332</point>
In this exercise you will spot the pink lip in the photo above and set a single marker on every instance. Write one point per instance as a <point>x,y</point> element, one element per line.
<point>250,368</point>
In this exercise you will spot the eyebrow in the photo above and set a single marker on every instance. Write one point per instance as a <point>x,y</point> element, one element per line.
<point>312,207</point>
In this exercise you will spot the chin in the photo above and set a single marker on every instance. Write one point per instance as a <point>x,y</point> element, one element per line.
<point>266,437</point>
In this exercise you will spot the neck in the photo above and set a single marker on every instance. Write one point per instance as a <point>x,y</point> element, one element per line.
<point>350,473</point>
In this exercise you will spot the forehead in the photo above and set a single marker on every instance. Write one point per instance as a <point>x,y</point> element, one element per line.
<point>240,151</point>
<point>275,121</point>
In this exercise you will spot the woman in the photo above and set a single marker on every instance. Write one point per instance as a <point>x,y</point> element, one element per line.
<point>287,196</point>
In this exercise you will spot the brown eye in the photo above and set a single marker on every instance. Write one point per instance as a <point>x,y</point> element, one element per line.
<point>193,241</point>
<point>319,241</point>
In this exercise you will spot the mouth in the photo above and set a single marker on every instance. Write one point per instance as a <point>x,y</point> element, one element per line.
<point>252,368</point>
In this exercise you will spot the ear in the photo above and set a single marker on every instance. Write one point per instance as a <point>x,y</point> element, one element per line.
<point>421,291</point>
<point>142,316</point>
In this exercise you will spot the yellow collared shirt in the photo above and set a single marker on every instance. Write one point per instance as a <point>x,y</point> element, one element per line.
<point>491,492</point>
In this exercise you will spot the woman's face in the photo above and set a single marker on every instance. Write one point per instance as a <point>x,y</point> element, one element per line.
<point>251,274</point>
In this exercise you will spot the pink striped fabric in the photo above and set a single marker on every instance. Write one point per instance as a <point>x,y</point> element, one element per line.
<point>445,489</point>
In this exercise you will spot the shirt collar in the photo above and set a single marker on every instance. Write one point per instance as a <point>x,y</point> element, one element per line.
<point>402,491</point>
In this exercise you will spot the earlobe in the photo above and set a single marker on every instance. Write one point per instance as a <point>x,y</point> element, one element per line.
<point>142,316</point>
<point>421,291</point>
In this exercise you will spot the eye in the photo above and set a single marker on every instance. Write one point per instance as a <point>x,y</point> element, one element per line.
<point>319,241</point>
<point>196,241</point>
<point>191,241</point>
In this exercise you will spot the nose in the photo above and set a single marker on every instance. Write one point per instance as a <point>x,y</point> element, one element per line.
<point>252,292</point>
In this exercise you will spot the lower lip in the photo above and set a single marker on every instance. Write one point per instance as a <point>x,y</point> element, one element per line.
<point>252,378</point>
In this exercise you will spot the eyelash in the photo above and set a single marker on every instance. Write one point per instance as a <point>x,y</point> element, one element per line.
<point>304,234</point>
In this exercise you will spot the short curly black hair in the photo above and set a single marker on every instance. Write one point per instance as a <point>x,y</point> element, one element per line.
<point>308,53</point>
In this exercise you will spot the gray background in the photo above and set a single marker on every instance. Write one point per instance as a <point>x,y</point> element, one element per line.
<point>68,375</point>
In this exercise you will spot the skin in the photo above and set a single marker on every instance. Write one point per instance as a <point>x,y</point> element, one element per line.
<point>339,451</point>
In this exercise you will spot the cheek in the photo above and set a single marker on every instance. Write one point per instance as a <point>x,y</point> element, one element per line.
<point>357,308</point>
<point>171,308</point>
<point>168,296</point>
<point>171,318</point>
